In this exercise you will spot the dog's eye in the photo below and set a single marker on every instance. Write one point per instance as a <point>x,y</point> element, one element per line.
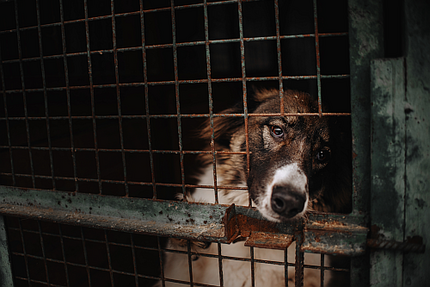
<point>277,131</point>
<point>323,155</point>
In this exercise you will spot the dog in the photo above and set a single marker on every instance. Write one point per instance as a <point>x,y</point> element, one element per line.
<point>296,164</point>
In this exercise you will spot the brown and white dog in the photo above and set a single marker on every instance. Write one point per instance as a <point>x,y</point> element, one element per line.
<point>296,164</point>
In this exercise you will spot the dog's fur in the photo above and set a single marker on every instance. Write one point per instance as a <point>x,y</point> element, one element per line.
<point>296,164</point>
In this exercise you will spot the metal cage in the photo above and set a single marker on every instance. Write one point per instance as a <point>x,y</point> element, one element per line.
<point>100,101</point>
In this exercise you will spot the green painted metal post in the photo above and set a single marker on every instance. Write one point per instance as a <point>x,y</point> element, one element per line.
<point>417,208</point>
<point>5,266</point>
<point>387,167</point>
<point>365,41</point>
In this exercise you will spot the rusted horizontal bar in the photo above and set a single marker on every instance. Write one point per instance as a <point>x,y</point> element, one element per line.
<point>81,179</point>
<point>202,81</point>
<point>165,218</point>
<point>121,150</point>
<point>121,15</point>
<point>323,233</point>
<point>405,246</point>
<point>164,46</point>
<point>172,116</point>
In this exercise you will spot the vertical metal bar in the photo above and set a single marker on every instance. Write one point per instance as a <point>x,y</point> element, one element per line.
<point>93,114</point>
<point>109,260</point>
<point>211,119</point>
<point>220,266</point>
<point>299,260</point>
<point>69,108</point>
<point>5,263</point>
<point>45,96</point>
<point>317,50</point>
<point>24,95</point>
<point>322,270</point>
<point>278,49</point>
<point>12,169</point>
<point>145,80</point>
<point>190,263</point>
<point>133,253</point>
<point>42,247</point>
<point>160,257</point>
<point>286,266</point>
<point>60,232</point>
<point>252,255</point>
<point>118,96</point>
<point>178,109</point>
<point>24,250</point>
<point>244,99</point>
<point>87,267</point>
<point>245,115</point>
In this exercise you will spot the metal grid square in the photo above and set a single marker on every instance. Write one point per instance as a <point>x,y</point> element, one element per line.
<point>76,82</point>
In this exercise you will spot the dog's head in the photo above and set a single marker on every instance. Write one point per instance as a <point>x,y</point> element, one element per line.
<point>291,158</point>
<point>288,155</point>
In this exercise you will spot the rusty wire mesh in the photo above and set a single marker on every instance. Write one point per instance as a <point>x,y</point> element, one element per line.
<point>97,98</point>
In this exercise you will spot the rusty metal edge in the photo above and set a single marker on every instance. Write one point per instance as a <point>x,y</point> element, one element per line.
<point>209,222</point>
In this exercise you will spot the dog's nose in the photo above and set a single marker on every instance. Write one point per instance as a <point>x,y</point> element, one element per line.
<point>287,202</point>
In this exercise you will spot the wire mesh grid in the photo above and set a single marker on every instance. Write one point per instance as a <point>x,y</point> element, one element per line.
<point>98,97</point>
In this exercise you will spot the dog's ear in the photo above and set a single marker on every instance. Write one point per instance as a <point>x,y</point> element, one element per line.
<point>262,95</point>
<point>224,127</point>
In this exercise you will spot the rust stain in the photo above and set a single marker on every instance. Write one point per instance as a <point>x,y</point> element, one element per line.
<point>252,224</point>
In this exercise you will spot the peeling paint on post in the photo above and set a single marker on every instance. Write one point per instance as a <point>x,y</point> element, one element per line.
<point>387,167</point>
<point>365,42</point>
<point>417,213</point>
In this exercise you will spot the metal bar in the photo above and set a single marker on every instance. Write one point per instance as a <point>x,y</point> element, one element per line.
<point>190,262</point>
<point>45,96</point>
<point>160,257</point>
<point>244,93</point>
<point>42,247</point>
<point>133,252</point>
<point>24,252</point>
<point>6,118</point>
<point>365,26</point>
<point>164,218</point>
<point>210,222</point>
<point>27,128</point>
<point>109,259</point>
<point>90,74</point>
<point>69,109</point>
<point>388,164</point>
<point>183,115</point>
<point>286,266</point>
<point>405,246</point>
<point>220,266</point>
<point>299,265</point>
<point>178,108</point>
<point>118,97</point>
<point>317,50</point>
<point>214,80</point>
<point>322,270</point>
<point>417,175</point>
<point>147,114</point>
<point>64,261</point>
<point>84,247</point>
<point>278,49</point>
<point>5,263</point>
<point>211,118</point>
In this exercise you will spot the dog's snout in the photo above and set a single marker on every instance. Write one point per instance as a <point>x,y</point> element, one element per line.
<point>287,202</point>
